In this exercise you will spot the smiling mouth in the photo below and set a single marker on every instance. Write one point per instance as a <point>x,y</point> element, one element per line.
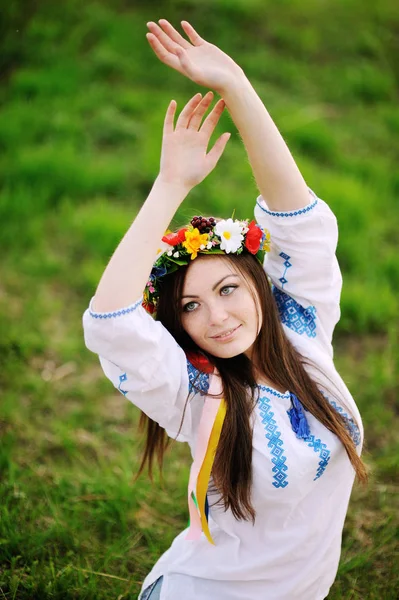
<point>225,334</point>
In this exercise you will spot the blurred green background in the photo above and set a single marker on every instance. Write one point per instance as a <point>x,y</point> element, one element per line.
<point>82,103</point>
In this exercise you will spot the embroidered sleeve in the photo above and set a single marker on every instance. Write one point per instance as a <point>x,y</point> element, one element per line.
<point>198,381</point>
<point>351,425</point>
<point>303,268</point>
<point>144,362</point>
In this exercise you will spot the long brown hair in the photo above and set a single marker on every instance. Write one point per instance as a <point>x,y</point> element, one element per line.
<point>277,360</point>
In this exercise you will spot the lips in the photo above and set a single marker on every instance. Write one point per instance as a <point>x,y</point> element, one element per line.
<point>225,334</point>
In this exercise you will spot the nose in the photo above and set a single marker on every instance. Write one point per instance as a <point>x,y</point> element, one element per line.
<point>217,314</point>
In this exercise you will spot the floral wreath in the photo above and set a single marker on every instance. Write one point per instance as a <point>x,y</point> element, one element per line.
<point>204,235</point>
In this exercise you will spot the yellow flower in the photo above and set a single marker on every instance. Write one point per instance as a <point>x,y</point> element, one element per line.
<point>194,240</point>
<point>266,241</point>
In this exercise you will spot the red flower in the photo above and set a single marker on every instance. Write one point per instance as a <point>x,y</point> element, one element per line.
<point>173,239</point>
<point>200,362</point>
<point>253,238</point>
<point>149,307</point>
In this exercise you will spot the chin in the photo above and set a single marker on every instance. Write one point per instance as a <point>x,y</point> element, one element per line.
<point>233,350</point>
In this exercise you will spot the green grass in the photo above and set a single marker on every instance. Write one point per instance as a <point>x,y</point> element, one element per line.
<point>82,103</point>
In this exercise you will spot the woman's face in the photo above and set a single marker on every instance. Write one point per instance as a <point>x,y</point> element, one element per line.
<point>218,309</point>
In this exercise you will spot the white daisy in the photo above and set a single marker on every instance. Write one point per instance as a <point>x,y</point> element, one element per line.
<point>230,233</point>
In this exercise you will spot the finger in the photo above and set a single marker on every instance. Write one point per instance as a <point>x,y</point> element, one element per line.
<point>193,36</point>
<point>164,55</point>
<point>187,111</point>
<point>186,66</point>
<point>162,37</point>
<point>216,152</point>
<point>169,117</point>
<point>196,117</point>
<point>173,34</point>
<point>212,119</point>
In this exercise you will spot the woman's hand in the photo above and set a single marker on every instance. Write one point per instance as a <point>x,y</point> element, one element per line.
<point>184,159</point>
<point>200,61</point>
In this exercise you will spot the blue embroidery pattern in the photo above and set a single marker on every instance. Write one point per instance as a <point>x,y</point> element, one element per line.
<point>293,315</point>
<point>117,313</point>
<point>197,380</point>
<point>275,442</point>
<point>274,392</point>
<point>287,265</point>
<point>324,452</point>
<point>292,213</point>
<point>350,423</point>
<point>122,378</point>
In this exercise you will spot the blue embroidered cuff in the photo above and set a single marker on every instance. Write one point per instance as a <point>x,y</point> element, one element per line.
<point>290,213</point>
<point>115,313</point>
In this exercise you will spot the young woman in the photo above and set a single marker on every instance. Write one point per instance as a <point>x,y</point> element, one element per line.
<point>229,348</point>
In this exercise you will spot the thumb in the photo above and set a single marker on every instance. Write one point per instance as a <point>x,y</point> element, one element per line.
<point>216,152</point>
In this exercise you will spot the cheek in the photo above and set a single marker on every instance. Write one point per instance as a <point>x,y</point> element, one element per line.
<point>192,325</point>
<point>253,314</point>
<point>244,303</point>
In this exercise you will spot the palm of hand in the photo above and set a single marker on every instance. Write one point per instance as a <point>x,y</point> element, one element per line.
<point>184,157</point>
<point>200,61</point>
<point>184,154</point>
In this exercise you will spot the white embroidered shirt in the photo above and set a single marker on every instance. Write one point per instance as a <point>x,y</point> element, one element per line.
<point>301,488</point>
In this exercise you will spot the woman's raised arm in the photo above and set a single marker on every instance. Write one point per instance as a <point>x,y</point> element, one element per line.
<point>277,176</point>
<point>125,276</point>
<point>184,164</point>
<point>137,353</point>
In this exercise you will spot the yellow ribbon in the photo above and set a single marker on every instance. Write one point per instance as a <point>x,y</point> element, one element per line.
<point>206,467</point>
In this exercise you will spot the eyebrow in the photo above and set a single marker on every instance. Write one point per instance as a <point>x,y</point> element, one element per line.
<point>215,286</point>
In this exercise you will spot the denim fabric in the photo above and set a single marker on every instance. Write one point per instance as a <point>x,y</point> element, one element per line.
<point>153,591</point>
